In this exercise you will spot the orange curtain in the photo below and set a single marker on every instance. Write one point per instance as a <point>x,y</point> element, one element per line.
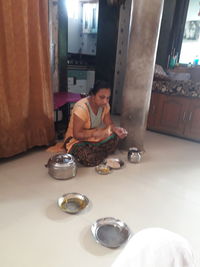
<point>26,108</point>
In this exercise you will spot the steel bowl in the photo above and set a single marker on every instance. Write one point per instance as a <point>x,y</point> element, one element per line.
<point>110,232</point>
<point>73,202</point>
<point>103,169</point>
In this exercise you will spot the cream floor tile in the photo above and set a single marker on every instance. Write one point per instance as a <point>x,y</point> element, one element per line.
<point>161,191</point>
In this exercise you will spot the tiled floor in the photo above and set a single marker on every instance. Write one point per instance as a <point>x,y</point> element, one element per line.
<point>162,191</point>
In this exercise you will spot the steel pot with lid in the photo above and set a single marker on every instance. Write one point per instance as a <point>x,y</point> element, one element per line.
<point>134,155</point>
<point>62,166</point>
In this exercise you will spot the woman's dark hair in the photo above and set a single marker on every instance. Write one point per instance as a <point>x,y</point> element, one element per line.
<point>98,86</point>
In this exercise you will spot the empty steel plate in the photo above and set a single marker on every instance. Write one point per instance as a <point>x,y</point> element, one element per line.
<point>110,232</point>
<point>73,202</point>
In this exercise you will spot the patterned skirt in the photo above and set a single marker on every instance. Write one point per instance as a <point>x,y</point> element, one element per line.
<point>91,154</point>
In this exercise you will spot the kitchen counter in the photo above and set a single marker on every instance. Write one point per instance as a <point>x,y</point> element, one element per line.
<point>178,88</point>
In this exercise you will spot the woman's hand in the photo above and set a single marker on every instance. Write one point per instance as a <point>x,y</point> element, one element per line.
<point>120,132</point>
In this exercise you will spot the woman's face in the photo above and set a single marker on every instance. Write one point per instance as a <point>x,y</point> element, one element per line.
<point>102,97</point>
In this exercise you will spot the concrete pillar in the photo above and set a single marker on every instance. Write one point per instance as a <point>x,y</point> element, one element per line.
<point>144,33</point>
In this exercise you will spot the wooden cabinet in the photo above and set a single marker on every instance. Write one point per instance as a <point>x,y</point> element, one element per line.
<point>153,111</point>
<point>171,117</point>
<point>193,120</point>
<point>175,115</point>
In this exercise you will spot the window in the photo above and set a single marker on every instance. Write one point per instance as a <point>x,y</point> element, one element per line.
<point>190,50</point>
<point>90,17</point>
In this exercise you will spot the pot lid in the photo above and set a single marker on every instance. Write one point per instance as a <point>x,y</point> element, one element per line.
<point>61,159</point>
<point>134,149</point>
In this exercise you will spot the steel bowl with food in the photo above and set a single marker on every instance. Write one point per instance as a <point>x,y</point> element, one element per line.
<point>103,169</point>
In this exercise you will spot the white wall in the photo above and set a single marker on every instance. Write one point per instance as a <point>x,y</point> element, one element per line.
<point>89,44</point>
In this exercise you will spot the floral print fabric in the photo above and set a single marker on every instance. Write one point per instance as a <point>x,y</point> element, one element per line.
<point>182,88</point>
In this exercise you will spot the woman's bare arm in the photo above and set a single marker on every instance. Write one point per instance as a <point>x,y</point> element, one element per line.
<point>108,121</point>
<point>82,134</point>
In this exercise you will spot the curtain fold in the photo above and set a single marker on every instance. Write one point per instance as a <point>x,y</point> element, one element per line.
<point>26,106</point>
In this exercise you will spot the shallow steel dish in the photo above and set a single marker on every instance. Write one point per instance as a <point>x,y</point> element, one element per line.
<point>103,169</point>
<point>73,202</point>
<point>114,163</point>
<point>110,232</point>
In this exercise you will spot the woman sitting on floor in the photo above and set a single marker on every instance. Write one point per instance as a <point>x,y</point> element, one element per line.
<point>91,134</point>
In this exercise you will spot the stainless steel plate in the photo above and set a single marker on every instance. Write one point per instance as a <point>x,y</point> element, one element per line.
<point>103,169</point>
<point>114,163</point>
<point>110,232</point>
<point>73,202</point>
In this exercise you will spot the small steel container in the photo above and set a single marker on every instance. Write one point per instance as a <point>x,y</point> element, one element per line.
<point>62,166</point>
<point>134,155</point>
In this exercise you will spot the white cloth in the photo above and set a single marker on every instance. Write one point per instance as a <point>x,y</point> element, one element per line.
<point>156,247</point>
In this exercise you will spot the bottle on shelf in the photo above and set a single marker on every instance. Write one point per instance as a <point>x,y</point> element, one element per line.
<point>196,60</point>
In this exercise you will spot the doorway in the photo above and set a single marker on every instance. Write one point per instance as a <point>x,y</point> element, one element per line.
<point>82,42</point>
<point>73,28</point>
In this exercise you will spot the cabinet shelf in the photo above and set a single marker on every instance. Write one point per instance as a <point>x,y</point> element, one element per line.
<point>175,115</point>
